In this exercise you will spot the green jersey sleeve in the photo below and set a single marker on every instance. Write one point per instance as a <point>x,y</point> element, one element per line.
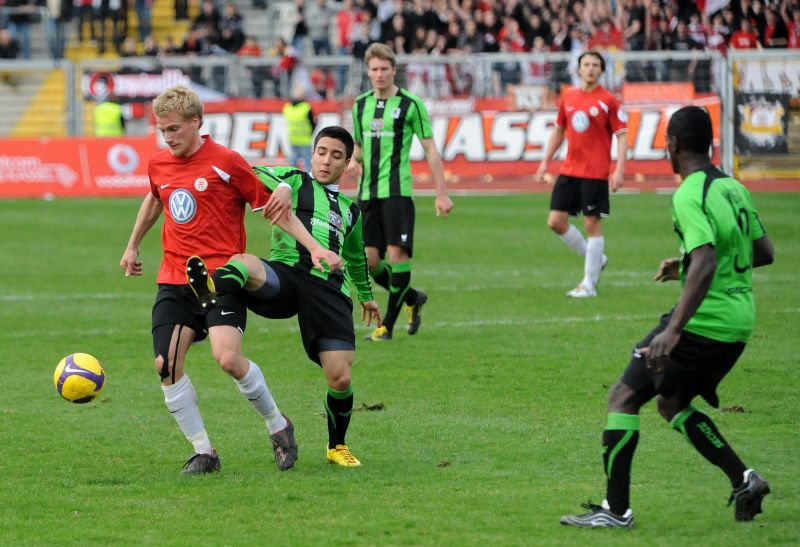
<point>357,133</point>
<point>420,122</point>
<point>694,225</point>
<point>271,177</point>
<point>355,259</point>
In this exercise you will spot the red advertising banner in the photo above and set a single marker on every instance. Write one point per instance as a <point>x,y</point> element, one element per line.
<point>476,137</point>
<point>479,139</point>
<point>75,167</point>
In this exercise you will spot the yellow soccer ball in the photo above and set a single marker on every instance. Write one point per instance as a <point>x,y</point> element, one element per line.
<point>79,378</point>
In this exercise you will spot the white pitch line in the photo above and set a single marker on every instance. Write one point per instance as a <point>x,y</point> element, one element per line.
<point>72,296</point>
<point>267,326</point>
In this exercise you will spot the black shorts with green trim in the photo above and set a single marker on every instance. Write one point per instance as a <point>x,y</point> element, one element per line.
<point>388,221</point>
<point>696,367</point>
<point>324,312</point>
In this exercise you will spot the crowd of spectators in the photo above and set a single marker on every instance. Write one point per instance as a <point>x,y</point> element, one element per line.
<point>462,27</point>
<point>424,27</point>
<point>441,27</point>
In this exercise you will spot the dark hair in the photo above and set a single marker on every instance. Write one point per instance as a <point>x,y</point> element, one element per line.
<point>340,134</point>
<point>596,54</point>
<point>691,127</point>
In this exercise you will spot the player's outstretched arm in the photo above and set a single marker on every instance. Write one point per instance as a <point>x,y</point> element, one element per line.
<point>355,258</point>
<point>295,228</point>
<point>443,203</point>
<point>668,270</point>
<point>698,281</point>
<point>763,252</point>
<point>371,310</point>
<point>279,204</point>
<point>149,211</point>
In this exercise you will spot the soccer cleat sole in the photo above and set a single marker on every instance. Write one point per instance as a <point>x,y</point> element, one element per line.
<point>200,282</point>
<point>600,521</point>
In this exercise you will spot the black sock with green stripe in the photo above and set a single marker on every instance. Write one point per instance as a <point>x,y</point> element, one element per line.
<point>619,443</point>
<point>699,430</point>
<point>382,275</point>
<point>338,408</point>
<point>401,281</point>
<point>230,278</point>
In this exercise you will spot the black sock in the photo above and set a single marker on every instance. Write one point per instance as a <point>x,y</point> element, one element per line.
<point>698,428</point>
<point>230,278</point>
<point>382,274</point>
<point>619,443</point>
<point>411,297</point>
<point>401,281</point>
<point>338,408</point>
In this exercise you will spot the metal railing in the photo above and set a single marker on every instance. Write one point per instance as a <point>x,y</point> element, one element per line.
<point>432,77</point>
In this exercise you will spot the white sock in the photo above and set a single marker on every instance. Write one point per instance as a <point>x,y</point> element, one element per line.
<point>254,387</point>
<point>594,262</point>
<point>181,400</point>
<point>573,238</point>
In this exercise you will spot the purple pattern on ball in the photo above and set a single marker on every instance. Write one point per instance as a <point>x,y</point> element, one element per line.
<point>80,371</point>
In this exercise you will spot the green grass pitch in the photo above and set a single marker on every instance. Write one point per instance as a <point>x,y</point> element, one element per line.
<point>492,414</point>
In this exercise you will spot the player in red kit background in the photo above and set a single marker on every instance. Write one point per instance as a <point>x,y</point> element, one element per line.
<point>203,188</point>
<point>588,116</point>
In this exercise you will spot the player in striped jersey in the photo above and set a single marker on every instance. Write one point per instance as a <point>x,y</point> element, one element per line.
<point>385,120</point>
<point>292,283</point>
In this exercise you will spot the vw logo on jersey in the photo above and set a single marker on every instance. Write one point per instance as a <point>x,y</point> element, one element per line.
<point>182,206</point>
<point>580,121</point>
<point>376,124</point>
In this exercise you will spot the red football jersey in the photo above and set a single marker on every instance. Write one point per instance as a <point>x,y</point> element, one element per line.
<point>204,199</point>
<point>589,120</point>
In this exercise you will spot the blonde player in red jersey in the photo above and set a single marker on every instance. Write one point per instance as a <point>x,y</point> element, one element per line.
<point>202,188</point>
<point>588,116</point>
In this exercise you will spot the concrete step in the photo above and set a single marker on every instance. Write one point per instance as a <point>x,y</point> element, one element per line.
<point>46,113</point>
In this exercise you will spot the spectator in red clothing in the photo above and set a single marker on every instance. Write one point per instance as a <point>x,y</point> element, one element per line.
<point>744,38</point>
<point>345,23</point>
<point>606,37</point>
<point>775,33</point>
<point>792,26</point>
<point>258,74</point>
<point>717,35</point>
<point>512,36</point>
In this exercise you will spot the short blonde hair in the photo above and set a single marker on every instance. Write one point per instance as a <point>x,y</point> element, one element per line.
<point>180,100</point>
<point>380,51</point>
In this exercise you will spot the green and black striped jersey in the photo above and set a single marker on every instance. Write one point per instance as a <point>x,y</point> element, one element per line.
<point>384,128</point>
<point>332,219</point>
